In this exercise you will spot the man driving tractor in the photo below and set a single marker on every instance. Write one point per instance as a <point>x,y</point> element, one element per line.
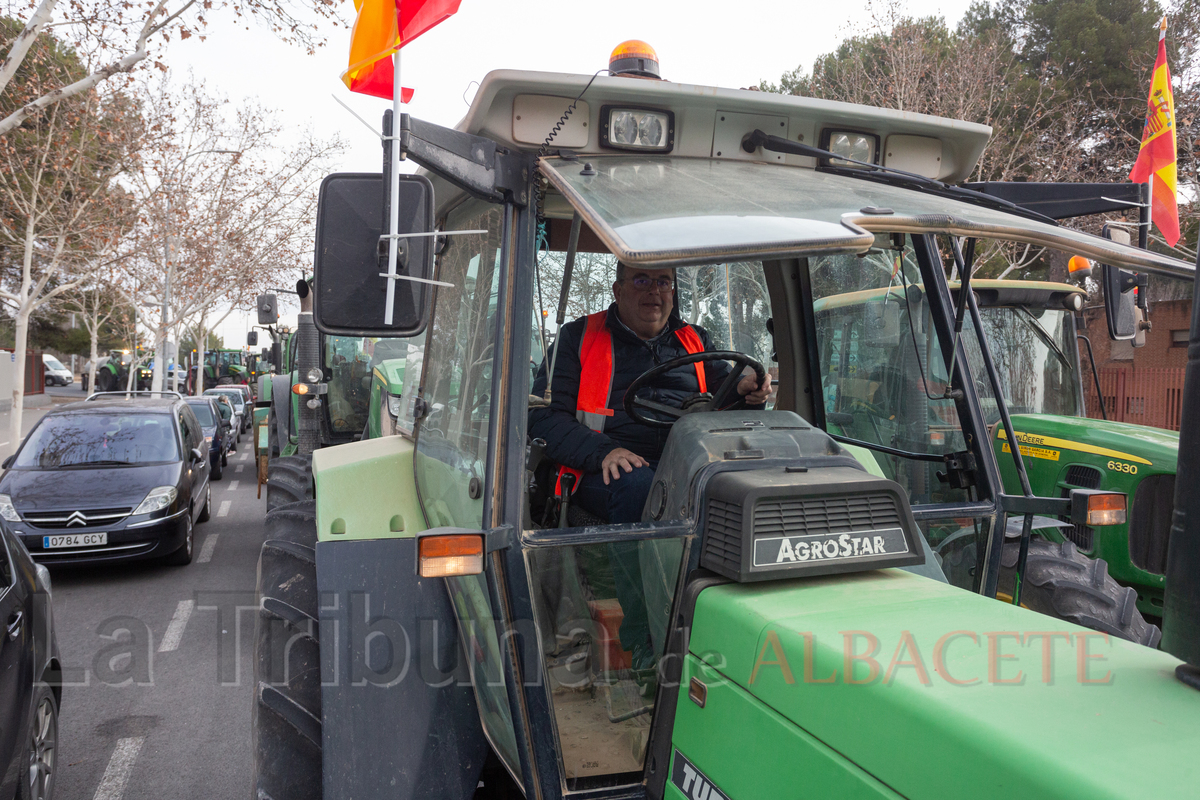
<point>611,455</point>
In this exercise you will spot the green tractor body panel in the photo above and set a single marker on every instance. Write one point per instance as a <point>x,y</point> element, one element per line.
<point>387,379</point>
<point>1005,720</point>
<point>1075,452</point>
<point>379,469</point>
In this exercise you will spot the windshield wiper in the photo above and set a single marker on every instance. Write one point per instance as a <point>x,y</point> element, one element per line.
<point>1046,338</point>
<point>100,464</point>
<point>889,175</point>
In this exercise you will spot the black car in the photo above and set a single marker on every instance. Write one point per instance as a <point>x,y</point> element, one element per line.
<point>216,433</point>
<point>109,479</point>
<point>30,676</point>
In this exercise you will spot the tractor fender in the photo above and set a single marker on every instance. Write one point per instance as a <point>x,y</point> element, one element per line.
<point>281,396</point>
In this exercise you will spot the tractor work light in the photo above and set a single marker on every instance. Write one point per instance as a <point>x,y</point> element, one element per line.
<point>1079,268</point>
<point>1096,508</point>
<point>1073,302</point>
<point>853,145</point>
<point>639,129</point>
<point>449,556</point>
<point>313,375</point>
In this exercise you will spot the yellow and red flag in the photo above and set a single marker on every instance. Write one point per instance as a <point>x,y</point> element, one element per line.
<point>381,28</point>
<point>1156,158</point>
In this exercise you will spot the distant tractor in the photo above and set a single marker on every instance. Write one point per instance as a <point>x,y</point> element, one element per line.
<point>112,373</point>
<point>221,367</point>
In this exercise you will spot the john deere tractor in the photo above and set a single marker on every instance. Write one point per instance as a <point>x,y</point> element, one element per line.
<point>816,581</point>
<point>220,368</point>
<point>112,372</point>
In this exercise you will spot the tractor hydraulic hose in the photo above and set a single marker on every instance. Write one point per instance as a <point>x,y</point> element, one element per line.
<point>1181,604</point>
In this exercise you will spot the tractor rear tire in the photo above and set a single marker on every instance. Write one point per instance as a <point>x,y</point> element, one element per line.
<point>105,381</point>
<point>289,480</point>
<point>1063,583</point>
<point>286,715</point>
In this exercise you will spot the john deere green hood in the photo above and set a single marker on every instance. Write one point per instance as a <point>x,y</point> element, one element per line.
<point>1122,441</point>
<point>391,372</point>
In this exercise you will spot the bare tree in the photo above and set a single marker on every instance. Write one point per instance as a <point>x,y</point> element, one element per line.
<point>119,36</point>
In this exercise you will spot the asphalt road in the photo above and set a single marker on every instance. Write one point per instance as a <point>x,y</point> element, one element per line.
<point>158,662</point>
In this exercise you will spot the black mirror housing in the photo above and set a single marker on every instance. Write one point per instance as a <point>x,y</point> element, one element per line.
<point>268,309</point>
<point>8,462</point>
<point>350,289</point>
<point>197,456</point>
<point>1120,302</point>
<point>252,339</point>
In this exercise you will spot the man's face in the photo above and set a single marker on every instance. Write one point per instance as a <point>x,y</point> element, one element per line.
<point>645,298</point>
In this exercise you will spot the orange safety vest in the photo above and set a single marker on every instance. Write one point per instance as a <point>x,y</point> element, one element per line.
<point>595,377</point>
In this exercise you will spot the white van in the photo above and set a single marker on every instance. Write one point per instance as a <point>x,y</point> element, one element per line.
<point>56,373</point>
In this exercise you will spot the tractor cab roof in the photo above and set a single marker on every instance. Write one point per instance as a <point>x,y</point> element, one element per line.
<point>697,196</point>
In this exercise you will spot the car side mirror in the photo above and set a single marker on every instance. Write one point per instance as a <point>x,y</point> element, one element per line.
<point>351,296</point>
<point>252,339</point>
<point>197,456</point>
<point>8,462</point>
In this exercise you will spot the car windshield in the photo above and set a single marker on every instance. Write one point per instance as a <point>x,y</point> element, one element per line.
<point>233,397</point>
<point>110,439</point>
<point>203,412</point>
<point>53,363</point>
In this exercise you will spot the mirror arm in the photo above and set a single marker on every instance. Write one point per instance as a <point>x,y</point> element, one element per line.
<point>472,163</point>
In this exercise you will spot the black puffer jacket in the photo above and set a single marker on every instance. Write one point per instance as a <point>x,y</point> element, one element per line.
<point>570,442</point>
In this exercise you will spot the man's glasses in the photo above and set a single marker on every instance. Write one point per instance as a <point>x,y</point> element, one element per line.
<point>644,283</point>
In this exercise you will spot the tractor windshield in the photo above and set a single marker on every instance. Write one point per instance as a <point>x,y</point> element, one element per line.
<point>1036,358</point>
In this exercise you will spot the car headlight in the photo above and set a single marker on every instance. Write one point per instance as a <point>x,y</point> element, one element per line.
<point>208,440</point>
<point>393,403</point>
<point>7,510</point>
<point>157,500</point>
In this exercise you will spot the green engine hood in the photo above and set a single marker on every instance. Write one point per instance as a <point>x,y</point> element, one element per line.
<point>391,373</point>
<point>985,714</point>
<point>1112,439</point>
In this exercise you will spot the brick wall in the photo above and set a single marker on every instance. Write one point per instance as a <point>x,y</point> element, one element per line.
<point>1158,353</point>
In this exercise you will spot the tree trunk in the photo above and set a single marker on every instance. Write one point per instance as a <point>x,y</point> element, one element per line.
<point>20,343</point>
<point>201,335</point>
<point>94,335</point>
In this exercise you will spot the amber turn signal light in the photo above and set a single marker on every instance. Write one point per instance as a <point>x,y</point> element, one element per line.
<point>449,556</point>
<point>301,388</point>
<point>1106,509</point>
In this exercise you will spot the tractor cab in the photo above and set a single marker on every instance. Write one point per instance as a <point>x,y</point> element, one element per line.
<point>813,243</point>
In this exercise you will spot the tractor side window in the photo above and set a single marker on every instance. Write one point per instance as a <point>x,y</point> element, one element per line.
<point>883,377</point>
<point>457,385</point>
<point>348,364</point>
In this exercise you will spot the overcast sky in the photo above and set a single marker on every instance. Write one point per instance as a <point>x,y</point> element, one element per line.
<point>731,45</point>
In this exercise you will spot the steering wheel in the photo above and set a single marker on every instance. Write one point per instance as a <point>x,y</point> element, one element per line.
<point>713,402</point>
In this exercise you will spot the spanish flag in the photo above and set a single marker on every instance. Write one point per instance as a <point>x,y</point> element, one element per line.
<point>1156,159</point>
<point>381,28</point>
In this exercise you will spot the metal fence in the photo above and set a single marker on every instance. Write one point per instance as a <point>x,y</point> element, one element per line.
<point>1151,397</point>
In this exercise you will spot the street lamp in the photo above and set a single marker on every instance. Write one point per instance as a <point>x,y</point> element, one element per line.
<point>159,377</point>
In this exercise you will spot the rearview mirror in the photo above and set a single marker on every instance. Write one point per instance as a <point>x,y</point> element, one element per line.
<point>268,309</point>
<point>197,456</point>
<point>1119,299</point>
<point>252,339</point>
<point>350,264</point>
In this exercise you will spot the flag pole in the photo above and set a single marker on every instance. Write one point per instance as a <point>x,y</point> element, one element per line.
<point>394,191</point>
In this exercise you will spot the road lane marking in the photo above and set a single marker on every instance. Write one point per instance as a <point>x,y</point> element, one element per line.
<point>240,467</point>
<point>224,511</point>
<point>210,544</point>
<point>170,640</point>
<point>244,456</point>
<point>232,485</point>
<point>120,765</point>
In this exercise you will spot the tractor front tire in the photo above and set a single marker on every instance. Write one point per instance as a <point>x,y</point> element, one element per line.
<point>289,480</point>
<point>286,715</point>
<point>1063,583</point>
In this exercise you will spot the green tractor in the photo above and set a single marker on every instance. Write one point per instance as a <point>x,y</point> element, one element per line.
<point>347,396</point>
<point>816,580</point>
<point>1033,335</point>
<point>112,373</point>
<point>221,368</point>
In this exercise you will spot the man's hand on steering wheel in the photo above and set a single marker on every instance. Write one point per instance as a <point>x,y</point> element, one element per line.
<point>752,392</point>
